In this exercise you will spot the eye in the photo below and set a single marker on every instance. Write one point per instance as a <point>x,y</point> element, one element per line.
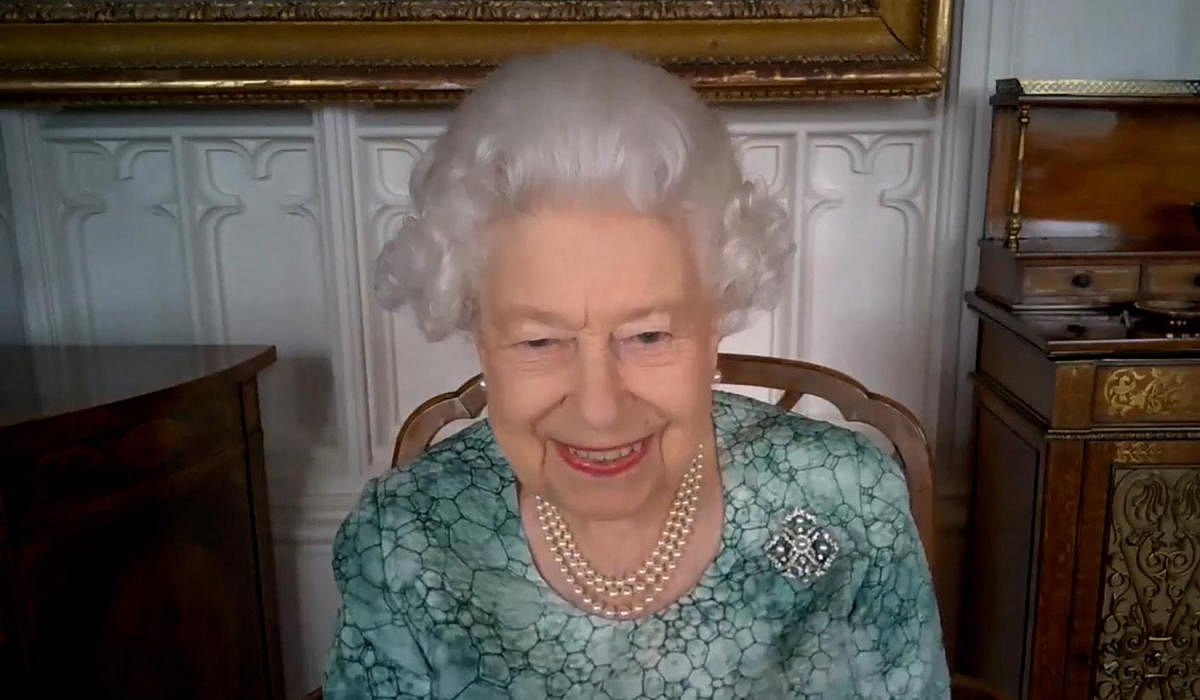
<point>539,343</point>
<point>542,348</point>
<point>652,337</point>
<point>647,347</point>
<point>542,354</point>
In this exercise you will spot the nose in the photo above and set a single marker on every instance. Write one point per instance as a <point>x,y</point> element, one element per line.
<point>600,387</point>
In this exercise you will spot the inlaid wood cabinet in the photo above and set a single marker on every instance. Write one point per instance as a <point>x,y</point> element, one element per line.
<point>1083,560</point>
<point>1084,553</point>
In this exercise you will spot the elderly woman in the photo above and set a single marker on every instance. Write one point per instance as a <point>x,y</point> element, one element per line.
<point>613,529</point>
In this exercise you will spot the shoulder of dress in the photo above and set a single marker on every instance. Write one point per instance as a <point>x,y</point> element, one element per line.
<point>785,460</point>
<point>743,421</point>
<point>464,470</point>
<point>449,509</point>
<point>472,448</point>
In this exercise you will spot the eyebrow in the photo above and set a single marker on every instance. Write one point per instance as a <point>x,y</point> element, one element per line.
<point>529,312</point>
<point>641,312</point>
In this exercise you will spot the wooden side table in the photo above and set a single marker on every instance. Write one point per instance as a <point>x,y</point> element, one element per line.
<point>135,550</point>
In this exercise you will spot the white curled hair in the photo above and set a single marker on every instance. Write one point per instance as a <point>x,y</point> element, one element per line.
<point>580,124</point>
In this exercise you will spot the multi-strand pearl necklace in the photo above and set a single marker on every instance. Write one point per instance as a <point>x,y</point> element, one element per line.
<point>625,596</point>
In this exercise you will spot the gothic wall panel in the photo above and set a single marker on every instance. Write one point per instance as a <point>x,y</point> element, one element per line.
<point>114,215</point>
<point>865,280</point>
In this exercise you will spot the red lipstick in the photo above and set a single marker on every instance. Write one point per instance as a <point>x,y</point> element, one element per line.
<point>604,469</point>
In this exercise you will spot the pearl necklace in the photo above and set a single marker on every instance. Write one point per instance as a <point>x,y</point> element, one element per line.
<point>624,596</point>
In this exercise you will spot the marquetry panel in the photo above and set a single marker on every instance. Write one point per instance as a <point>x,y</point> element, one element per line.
<point>1149,627</point>
<point>1134,598</point>
<point>1147,393</point>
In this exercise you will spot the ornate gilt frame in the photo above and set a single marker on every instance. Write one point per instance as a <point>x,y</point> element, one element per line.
<point>431,51</point>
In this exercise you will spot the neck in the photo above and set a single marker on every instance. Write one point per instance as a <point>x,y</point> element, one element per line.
<point>619,547</point>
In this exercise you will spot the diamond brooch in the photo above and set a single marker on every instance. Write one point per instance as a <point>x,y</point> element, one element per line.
<point>800,548</point>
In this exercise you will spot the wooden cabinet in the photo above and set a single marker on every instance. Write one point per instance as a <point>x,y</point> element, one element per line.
<point>1086,521</point>
<point>1084,558</point>
<point>1083,563</point>
<point>135,557</point>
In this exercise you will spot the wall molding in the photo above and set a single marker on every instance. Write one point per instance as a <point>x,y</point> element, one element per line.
<point>23,181</point>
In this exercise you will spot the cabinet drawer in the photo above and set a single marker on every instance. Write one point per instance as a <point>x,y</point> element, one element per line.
<point>1110,283</point>
<point>1172,281</point>
<point>1147,394</point>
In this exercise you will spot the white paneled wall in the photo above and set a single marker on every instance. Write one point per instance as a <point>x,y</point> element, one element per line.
<point>12,326</point>
<point>1105,38</point>
<point>865,262</point>
<point>261,227</point>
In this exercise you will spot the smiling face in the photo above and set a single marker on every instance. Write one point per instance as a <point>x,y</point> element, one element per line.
<point>598,341</point>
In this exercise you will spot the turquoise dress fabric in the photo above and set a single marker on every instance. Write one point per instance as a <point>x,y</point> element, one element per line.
<point>440,597</point>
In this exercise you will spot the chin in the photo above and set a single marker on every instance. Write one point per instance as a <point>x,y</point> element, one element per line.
<point>604,497</point>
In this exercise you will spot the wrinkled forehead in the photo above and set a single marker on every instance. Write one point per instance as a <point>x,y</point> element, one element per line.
<point>588,265</point>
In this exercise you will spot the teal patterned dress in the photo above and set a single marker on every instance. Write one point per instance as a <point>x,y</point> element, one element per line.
<point>440,597</point>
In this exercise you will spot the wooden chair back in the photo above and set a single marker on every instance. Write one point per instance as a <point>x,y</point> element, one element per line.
<point>793,377</point>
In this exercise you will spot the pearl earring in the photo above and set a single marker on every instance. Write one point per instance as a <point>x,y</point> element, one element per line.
<point>483,384</point>
<point>717,377</point>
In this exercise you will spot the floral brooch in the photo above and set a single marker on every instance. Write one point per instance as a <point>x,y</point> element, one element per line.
<point>800,548</point>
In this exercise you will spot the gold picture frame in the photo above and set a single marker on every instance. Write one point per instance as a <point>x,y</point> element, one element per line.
<point>432,51</point>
